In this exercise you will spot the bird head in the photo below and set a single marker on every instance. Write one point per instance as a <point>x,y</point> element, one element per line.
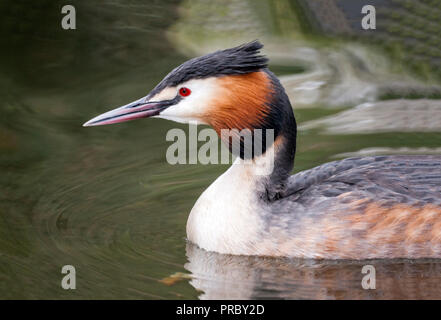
<point>226,89</point>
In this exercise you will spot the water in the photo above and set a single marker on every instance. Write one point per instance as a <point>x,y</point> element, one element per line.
<point>104,199</point>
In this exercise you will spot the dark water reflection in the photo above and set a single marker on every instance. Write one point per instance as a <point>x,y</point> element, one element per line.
<point>220,276</point>
<point>105,200</point>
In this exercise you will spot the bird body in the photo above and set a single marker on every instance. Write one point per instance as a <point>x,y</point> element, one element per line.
<point>358,208</point>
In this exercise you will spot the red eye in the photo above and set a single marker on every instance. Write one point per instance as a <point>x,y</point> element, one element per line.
<point>184,92</point>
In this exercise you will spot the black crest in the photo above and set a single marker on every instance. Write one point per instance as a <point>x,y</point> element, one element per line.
<point>238,60</point>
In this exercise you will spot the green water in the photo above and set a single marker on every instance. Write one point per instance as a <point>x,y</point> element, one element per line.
<point>105,200</point>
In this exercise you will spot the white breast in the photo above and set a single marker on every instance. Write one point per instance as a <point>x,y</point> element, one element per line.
<point>226,216</point>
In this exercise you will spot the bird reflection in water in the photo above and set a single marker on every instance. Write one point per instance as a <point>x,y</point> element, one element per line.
<point>219,276</point>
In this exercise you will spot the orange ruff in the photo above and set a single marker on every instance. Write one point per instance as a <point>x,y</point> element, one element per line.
<point>240,102</point>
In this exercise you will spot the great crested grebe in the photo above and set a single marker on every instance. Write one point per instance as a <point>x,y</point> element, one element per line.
<point>358,208</point>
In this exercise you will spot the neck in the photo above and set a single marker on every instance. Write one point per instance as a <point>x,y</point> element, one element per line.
<point>281,119</point>
<point>284,153</point>
<point>275,114</point>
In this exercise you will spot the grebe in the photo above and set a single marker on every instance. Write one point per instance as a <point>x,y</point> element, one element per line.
<point>358,208</point>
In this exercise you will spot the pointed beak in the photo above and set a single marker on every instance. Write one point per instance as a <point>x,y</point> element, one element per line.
<point>137,109</point>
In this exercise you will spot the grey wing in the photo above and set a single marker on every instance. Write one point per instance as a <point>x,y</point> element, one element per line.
<point>398,179</point>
